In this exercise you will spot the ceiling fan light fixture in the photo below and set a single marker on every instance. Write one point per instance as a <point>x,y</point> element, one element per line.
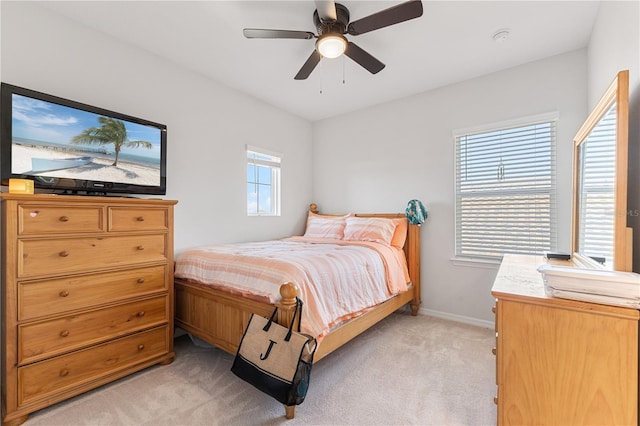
<point>331,45</point>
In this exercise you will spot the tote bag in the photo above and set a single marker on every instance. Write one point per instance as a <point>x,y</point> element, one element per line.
<point>276,359</point>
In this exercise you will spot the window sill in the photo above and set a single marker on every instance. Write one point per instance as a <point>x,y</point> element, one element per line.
<point>476,262</point>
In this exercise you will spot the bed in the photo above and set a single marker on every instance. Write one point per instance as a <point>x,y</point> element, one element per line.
<point>210,309</point>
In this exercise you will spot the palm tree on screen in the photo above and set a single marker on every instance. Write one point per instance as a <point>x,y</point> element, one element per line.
<point>111,131</point>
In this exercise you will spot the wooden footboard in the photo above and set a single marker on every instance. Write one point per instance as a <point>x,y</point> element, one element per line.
<point>220,318</point>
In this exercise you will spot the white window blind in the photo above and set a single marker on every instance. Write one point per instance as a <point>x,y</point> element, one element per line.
<point>505,191</point>
<point>597,202</point>
<point>263,183</point>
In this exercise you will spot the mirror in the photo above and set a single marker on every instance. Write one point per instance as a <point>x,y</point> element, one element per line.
<point>600,156</point>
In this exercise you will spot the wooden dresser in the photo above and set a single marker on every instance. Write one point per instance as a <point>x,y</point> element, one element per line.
<point>558,361</point>
<point>87,295</point>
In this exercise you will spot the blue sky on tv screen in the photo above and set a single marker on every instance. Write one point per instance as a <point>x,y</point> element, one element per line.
<point>43,121</point>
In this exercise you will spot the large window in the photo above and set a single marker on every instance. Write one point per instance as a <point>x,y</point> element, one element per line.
<point>263,182</point>
<point>505,190</point>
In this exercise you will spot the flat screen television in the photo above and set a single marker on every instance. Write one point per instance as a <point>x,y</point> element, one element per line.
<point>74,148</point>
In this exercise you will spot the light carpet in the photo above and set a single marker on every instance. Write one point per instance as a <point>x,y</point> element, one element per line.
<point>404,371</point>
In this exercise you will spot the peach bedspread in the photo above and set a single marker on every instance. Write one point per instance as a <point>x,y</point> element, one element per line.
<point>338,279</point>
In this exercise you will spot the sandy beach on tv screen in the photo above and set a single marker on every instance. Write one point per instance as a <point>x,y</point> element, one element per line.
<point>99,169</point>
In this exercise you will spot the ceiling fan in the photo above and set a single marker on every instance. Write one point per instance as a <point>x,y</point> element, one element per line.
<point>332,23</point>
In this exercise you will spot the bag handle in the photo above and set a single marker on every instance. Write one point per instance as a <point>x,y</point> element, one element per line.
<point>268,324</point>
<point>300,318</point>
<point>296,312</point>
<point>293,320</point>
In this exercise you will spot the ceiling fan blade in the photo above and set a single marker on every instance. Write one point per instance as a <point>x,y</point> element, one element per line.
<point>393,15</point>
<point>261,33</point>
<point>326,10</point>
<point>308,66</point>
<point>363,58</point>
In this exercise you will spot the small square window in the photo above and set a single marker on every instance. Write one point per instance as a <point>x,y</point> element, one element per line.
<point>263,183</point>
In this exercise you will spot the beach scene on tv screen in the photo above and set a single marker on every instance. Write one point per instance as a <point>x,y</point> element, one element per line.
<point>52,140</point>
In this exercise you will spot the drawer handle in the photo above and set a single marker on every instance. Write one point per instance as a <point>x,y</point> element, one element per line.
<point>64,253</point>
<point>140,219</point>
<point>493,309</point>
<point>140,280</point>
<point>140,248</point>
<point>64,372</point>
<point>63,219</point>
<point>140,347</point>
<point>140,314</point>
<point>495,400</point>
<point>64,293</point>
<point>64,333</point>
<point>494,351</point>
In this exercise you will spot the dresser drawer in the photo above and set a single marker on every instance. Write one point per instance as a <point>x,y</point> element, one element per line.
<point>39,219</point>
<point>56,296</point>
<point>37,341</point>
<point>44,257</point>
<point>133,219</point>
<point>42,379</point>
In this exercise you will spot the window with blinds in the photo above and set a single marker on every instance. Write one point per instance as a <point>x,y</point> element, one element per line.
<point>597,202</point>
<point>505,191</point>
<point>263,183</point>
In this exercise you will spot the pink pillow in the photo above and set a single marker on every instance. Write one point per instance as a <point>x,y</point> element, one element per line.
<point>375,229</point>
<point>400,234</point>
<point>324,226</point>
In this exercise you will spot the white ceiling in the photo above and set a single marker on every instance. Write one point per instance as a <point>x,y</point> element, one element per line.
<point>451,42</point>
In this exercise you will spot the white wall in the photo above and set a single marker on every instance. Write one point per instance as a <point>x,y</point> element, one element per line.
<point>379,158</point>
<point>615,46</point>
<point>208,124</point>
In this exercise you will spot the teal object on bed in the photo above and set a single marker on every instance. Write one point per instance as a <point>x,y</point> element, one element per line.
<point>415,212</point>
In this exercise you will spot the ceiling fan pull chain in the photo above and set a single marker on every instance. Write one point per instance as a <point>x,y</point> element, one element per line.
<point>344,72</point>
<point>321,77</point>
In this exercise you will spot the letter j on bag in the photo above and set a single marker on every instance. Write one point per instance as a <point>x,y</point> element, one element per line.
<point>266,355</point>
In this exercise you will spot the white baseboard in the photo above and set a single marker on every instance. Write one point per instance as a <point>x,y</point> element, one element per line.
<point>457,318</point>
